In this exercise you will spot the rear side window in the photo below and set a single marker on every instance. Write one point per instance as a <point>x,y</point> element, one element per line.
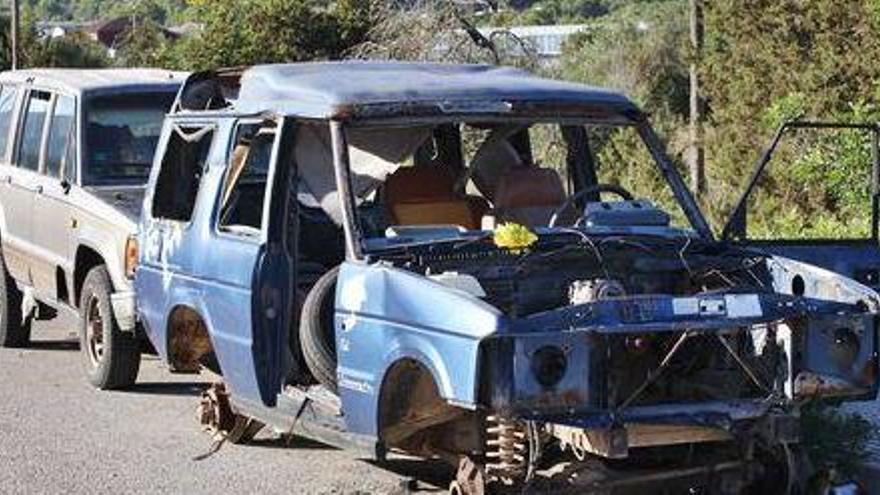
<point>244,189</point>
<point>181,173</point>
<point>7,106</point>
<point>61,137</point>
<point>32,134</point>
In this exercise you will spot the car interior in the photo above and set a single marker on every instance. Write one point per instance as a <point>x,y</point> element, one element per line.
<point>425,179</point>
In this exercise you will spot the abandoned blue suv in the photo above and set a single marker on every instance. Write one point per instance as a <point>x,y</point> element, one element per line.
<point>446,261</point>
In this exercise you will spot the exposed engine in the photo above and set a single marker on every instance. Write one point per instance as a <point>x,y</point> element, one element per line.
<point>587,291</point>
<point>580,270</point>
<point>634,280</point>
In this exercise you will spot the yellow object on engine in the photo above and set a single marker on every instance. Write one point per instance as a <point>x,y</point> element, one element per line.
<point>515,237</point>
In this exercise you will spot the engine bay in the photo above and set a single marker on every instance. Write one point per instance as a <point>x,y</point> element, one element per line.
<point>575,269</point>
<point>673,319</point>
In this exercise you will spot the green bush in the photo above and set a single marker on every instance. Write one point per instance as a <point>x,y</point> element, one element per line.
<point>835,440</point>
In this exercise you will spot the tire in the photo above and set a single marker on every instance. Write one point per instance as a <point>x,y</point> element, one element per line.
<point>317,334</point>
<point>111,357</point>
<point>13,332</point>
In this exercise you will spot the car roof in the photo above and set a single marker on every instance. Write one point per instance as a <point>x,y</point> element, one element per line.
<point>83,81</point>
<point>327,90</point>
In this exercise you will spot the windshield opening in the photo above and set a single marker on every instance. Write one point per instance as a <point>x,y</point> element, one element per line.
<point>121,134</point>
<point>420,183</point>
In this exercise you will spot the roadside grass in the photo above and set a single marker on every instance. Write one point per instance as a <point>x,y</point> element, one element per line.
<point>836,441</point>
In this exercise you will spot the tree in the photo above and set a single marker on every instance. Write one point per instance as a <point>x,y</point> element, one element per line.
<point>249,32</point>
<point>144,45</point>
<point>773,60</point>
<point>36,51</point>
<point>440,32</point>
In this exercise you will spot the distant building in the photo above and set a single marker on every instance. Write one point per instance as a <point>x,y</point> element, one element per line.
<point>111,33</point>
<point>546,41</point>
<point>60,29</point>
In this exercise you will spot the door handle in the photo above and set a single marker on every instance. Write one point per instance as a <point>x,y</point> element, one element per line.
<point>38,190</point>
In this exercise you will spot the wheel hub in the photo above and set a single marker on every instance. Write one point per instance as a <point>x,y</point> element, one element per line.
<point>94,331</point>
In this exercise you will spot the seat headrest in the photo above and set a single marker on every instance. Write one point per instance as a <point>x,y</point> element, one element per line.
<point>529,186</point>
<point>420,183</point>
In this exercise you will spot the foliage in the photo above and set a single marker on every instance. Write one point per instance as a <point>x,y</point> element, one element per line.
<point>145,45</point>
<point>262,31</point>
<point>549,12</point>
<point>641,50</point>
<point>161,11</point>
<point>563,12</point>
<point>71,51</point>
<point>776,60</point>
<point>834,439</point>
<point>763,63</point>
<point>437,31</point>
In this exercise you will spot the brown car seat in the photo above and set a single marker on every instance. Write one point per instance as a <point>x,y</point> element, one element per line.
<point>528,196</point>
<point>424,195</point>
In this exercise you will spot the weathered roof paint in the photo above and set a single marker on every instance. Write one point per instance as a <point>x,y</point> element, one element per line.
<point>324,90</point>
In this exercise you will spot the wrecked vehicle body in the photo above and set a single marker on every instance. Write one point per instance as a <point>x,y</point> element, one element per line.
<point>484,309</point>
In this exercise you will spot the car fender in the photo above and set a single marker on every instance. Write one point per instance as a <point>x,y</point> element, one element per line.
<point>105,245</point>
<point>819,283</point>
<point>385,314</point>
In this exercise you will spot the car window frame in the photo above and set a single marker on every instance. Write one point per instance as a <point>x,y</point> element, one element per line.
<point>23,110</point>
<point>15,114</point>
<point>736,226</point>
<point>270,177</point>
<point>169,127</point>
<point>73,135</point>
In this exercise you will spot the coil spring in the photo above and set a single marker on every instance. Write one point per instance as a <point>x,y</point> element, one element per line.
<point>506,448</point>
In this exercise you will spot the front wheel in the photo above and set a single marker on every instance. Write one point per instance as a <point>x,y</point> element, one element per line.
<point>111,357</point>
<point>15,331</point>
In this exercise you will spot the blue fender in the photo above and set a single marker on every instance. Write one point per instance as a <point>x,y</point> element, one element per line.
<point>383,315</point>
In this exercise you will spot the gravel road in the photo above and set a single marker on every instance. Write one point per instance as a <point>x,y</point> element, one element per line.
<point>58,435</point>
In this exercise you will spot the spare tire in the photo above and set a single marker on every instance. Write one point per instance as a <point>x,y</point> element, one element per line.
<point>317,333</point>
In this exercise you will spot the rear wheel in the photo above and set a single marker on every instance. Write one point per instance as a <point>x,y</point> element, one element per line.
<point>13,331</point>
<point>111,357</point>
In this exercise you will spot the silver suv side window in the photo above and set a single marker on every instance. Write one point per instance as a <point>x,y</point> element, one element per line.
<point>181,171</point>
<point>61,138</point>
<point>32,133</point>
<point>7,106</point>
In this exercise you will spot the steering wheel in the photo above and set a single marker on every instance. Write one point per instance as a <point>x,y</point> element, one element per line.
<point>598,188</point>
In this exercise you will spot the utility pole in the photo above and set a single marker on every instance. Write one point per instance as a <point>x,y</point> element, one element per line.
<point>15,34</point>
<point>696,157</point>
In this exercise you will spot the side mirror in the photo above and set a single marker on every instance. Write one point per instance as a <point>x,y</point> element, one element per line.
<point>65,186</point>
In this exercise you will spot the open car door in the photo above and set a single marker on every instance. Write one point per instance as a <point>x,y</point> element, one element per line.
<point>814,198</point>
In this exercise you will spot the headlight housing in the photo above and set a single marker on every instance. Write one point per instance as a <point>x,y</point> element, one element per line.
<point>549,364</point>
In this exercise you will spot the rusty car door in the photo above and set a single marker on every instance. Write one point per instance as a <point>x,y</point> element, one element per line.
<point>274,273</point>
